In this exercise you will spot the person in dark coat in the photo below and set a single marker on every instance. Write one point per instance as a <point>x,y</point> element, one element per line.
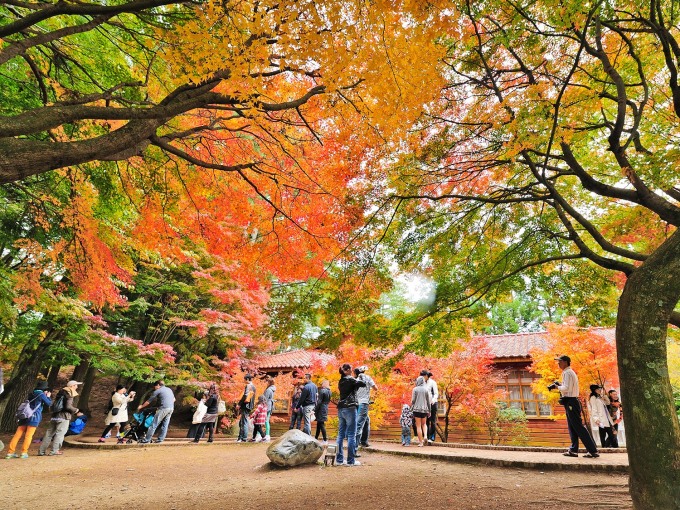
<point>37,399</point>
<point>321,410</point>
<point>347,414</point>
<point>295,411</point>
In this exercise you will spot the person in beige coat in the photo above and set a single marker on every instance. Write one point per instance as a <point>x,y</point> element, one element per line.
<point>118,414</point>
<point>600,417</point>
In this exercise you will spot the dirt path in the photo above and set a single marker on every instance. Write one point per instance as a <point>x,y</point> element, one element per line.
<point>240,477</point>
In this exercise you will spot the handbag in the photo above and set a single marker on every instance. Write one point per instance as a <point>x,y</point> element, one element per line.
<point>114,411</point>
<point>221,407</point>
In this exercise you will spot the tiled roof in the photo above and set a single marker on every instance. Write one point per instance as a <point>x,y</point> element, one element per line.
<point>519,345</point>
<point>516,345</point>
<point>294,359</point>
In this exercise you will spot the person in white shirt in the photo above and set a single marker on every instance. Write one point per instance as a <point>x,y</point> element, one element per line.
<point>434,397</point>
<point>364,399</point>
<point>572,407</point>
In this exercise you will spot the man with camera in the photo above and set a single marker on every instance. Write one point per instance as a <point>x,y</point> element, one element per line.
<point>572,407</point>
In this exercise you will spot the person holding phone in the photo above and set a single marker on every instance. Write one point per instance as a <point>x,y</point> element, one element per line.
<point>118,414</point>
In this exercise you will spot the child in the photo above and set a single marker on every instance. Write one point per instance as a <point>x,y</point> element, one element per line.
<point>259,418</point>
<point>406,421</point>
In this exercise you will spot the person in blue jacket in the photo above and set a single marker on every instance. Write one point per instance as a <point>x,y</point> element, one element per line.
<point>39,397</point>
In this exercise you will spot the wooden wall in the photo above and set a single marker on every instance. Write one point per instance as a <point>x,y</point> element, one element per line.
<point>542,431</point>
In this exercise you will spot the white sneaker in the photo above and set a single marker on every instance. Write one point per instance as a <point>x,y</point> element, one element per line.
<point>325,443</point>
<point>356,463</point>
<point>267,438</point>
<point>258,439</point>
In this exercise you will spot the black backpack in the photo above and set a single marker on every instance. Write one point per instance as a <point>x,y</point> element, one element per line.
<point>59,403</point>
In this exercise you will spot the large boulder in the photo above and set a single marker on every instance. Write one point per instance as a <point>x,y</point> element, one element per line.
<point>294,448</point>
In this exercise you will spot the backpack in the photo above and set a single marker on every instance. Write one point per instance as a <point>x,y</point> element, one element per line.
<point>25,411</point>
<point>110,406</point>
<point>59,403</point>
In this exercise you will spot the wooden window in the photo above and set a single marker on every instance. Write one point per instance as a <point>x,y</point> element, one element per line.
<point>519,395</point>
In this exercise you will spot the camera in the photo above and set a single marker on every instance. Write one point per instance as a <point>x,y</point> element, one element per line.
<point>553,386</point>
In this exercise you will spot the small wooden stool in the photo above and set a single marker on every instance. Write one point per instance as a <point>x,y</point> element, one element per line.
<point>329,456</point>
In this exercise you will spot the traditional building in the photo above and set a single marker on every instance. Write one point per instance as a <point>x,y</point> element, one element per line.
<point>512,359</point>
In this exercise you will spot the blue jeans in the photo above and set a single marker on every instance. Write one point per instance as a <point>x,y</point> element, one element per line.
<point>362,417</point>
<point>162,419</point>
<point>406,435</point>
<point>347,428</point>
<point>243,425</point>
<point>307,415</point>
<point>295,420</point>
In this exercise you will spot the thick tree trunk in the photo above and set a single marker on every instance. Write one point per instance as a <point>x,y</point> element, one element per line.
<point>81,369</point>
<point>53,376</point>
<point>652,428</point>
<point>23,380</point>
<point>84,399</point>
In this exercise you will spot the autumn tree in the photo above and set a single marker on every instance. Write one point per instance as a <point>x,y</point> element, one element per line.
<point>220,85</point>
<point>593,358</point>
<point>552,149</point>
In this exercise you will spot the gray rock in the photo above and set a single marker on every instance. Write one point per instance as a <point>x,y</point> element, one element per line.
<point>294,448</point>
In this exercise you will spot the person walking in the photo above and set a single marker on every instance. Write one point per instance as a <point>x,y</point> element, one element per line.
<point>295,411</point>
<point>347,415</point>
<point>321,410</point>
<point>63,410</point>
<point>269,397</point>
<point>246,404</point>
<point>572,407</point>
<point>38,398</point>
<point>166,406</point>
<point>600,417</point>
<point>210,417</point>
<point>118,414</point>
<point>307,403</point>
<point>406,421</point>
<point>259,419</point>
<point>364,399</point>
<point>421,405</point>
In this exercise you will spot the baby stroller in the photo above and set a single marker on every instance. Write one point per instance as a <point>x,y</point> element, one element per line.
<point>141,421</point>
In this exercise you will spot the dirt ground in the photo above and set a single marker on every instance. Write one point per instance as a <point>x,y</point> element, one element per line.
<point>239,476</point>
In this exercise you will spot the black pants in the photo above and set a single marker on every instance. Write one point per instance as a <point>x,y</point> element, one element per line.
<point>607,437</point>
<point>256,429</point>
<point>577,430</point>
<point>432,423</point>
<point>110,427</point>
<point>200,430</point>
<point>321,428</point>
